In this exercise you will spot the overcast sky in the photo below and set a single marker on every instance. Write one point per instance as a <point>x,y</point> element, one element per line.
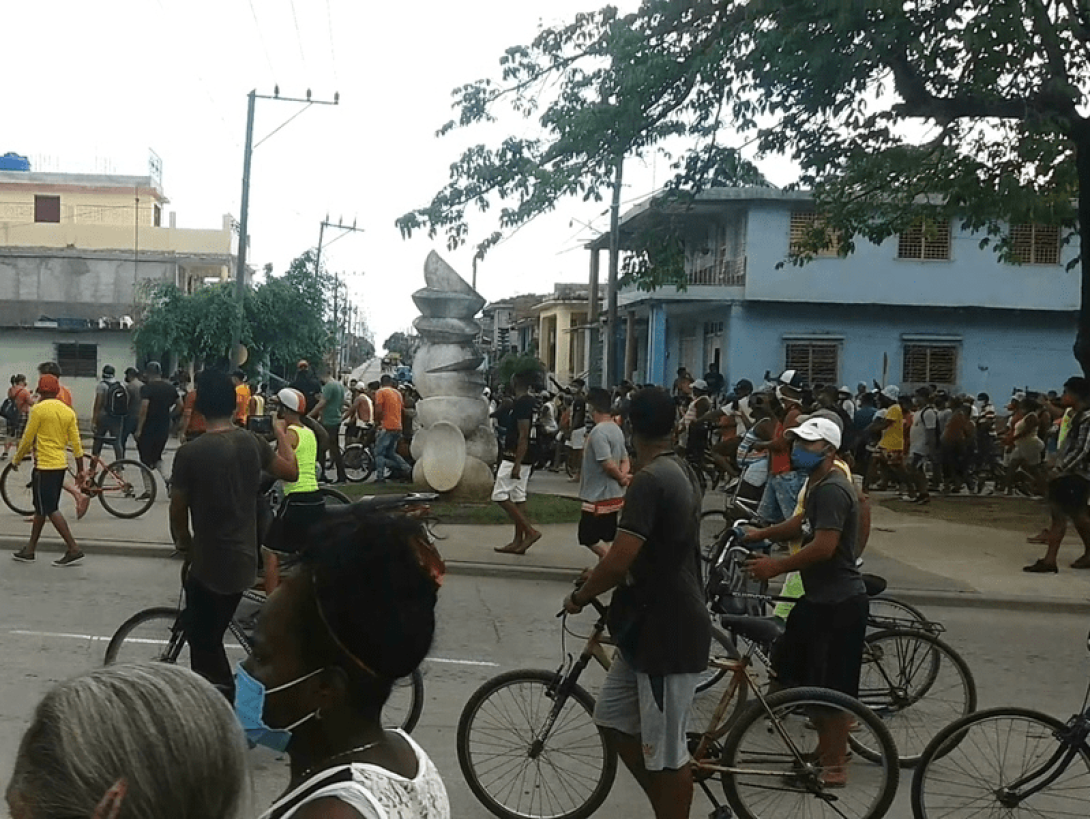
<point>93,87</point>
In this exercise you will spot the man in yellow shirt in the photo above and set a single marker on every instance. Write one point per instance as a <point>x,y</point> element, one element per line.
<point>891,446</point>
<point>50,430</point>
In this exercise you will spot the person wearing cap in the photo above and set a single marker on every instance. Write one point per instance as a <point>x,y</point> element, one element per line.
<point>50,430</point>
<point>740,401</point>
<point>105,422</point>
<point>847,403</point>
<point>822,644</point>
<point>64,395</point>
<point>923,444</point>
<point>216,482</point>
<point>307,383</point>
<point>891,444</point>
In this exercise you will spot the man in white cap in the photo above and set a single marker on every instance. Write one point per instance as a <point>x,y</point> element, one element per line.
<point>823,641</point>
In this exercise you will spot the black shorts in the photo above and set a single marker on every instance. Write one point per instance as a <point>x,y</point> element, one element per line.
<point>46,487</point>
<point>290,530</point>
<point>823,645</point>
<point>151,449</point>
<point>1070,493</point>
<point>597,528</point>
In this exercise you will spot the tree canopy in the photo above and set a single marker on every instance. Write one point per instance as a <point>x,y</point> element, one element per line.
<point>892,110</point>
<point>404,344</point>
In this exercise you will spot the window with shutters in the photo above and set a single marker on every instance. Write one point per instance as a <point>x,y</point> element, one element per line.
<point>47,208</point>
<point>930,364</point>
<point>78,360</point>
<point>1035,244</point>
<point>818,362</point>
<point>802,223</point>
<point>928,240</point>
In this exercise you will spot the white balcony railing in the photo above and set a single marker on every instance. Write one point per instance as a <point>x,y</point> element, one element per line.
<point>720,273</point>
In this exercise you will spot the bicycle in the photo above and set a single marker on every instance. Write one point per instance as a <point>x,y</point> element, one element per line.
<point>528,746</point>
<point>158,634</point>
<point>126,489</point>
<point>1008,762</point>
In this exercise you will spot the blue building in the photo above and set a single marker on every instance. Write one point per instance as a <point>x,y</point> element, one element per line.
<point>928,306</point>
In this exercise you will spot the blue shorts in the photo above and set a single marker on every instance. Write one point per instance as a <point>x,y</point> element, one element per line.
<point>780,497</point>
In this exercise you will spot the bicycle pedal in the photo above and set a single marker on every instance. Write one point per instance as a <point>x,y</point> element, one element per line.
<point>721,812</point>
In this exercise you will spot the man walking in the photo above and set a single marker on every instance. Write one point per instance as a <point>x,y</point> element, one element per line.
<point>158,399</point>
<point>110,408</point>
<point>823,642</point>
<point>216,482</point>
<point>388,409</point>
<point>133,386</point>
<point>50,430</point>
<point>657,616</point>
<point>605,474</point>
<point>509,490</point>
<point>923,444</point>
<point>328,412</point>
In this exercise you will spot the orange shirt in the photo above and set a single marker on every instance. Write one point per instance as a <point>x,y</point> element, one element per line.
<point>196,420</point>
<point>388,406</point>
<point>242,403</point>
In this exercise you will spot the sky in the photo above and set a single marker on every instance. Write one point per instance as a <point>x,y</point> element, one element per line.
<point>122,77</point>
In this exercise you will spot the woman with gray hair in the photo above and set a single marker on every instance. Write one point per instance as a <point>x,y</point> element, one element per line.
<point>123,741</point>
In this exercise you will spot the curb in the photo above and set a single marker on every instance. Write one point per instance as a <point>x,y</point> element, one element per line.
<point>973,599</point>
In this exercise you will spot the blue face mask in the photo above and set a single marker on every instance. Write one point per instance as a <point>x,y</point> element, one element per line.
<point>250,708</point>
<point>806,461</point>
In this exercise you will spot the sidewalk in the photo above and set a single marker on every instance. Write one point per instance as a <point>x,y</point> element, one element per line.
<point>925,561</point>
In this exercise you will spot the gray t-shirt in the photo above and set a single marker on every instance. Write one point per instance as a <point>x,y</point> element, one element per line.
<point>220,472</point>
<point>134,387</point>
<point>102,389</point>
<point>833,505</point>
<point>604,443</point>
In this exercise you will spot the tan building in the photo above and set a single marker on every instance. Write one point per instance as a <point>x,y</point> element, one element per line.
<point>563,318</point>
<point>75,253</point>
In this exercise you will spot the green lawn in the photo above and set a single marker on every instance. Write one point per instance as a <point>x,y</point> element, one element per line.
<point>541,508</point>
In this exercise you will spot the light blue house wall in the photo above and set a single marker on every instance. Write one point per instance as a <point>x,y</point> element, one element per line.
<point>1010,325</point>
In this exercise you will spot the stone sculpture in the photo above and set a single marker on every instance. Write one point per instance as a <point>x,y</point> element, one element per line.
<point>454,447</point>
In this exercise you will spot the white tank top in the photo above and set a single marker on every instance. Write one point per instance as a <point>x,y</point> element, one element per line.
<point>374,792</point>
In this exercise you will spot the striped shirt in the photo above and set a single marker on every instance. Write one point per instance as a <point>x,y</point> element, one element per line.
<point>1074,457</point>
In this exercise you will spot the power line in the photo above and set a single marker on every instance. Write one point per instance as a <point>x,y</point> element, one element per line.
<point>283,124</point>
<point>332,47</point>
<point>298,33</point>
<point>261,37</point>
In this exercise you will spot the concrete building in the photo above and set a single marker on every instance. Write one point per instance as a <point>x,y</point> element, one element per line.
<point>76,251</point>
<point>928,306</point>
<point>562,323</point>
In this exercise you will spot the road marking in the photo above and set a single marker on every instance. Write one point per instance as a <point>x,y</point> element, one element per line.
<point>61,635</point>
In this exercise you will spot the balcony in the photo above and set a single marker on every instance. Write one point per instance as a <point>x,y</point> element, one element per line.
<point>721,272</point>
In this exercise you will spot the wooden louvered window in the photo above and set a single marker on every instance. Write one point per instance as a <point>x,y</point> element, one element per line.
<point>78,360</point>
<point>47,209</point>
<point>927,240</point>
<point>1035,244</point>
<point>930,364</point>
<point>818,362</point>
<point>802,222</point>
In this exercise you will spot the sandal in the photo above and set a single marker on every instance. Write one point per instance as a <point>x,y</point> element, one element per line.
<point>1040,567</point>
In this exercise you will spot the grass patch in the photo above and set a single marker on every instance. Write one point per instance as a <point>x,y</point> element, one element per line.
<point>996,512</point>
<point>541,508</point>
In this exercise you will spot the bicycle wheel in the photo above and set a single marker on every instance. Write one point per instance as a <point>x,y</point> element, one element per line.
<point>889,612</point>
<point>774,775</point>
<point>358,463</point>
<point>515,771</point>
<point>405,704</point>
<point>15,488</point>
<point>332,497</point>
<point>713,527</point>
<point>917,685</point>
<point>156,635</point>
<point>999,763</point>
<point>713,686</point>
<point>127,489</point>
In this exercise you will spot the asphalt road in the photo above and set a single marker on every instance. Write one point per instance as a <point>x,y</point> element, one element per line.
<point>54,623</point>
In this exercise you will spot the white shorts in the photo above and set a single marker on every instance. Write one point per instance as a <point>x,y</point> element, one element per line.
<point>655,709</point>
<point>507,488</point>
<point>578,438</point>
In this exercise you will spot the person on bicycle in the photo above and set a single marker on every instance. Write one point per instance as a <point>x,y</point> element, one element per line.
<point>658,616</point>
<point>328,647</point>
<point>303,503</point>
<point>822,644</point>
<point>216,483</point>
<point>50,430</point>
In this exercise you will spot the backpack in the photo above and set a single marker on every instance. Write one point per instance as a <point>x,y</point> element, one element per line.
<point>9,410</point>
<point>117,399</point>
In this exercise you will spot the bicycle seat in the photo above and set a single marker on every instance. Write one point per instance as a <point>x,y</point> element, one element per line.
<point>874,584</point>
<point>759,629</point>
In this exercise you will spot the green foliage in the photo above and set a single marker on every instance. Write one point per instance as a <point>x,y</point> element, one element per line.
<point>404,344</point>
<point>515,363</point>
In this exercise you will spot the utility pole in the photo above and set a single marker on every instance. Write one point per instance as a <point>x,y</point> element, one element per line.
<point>612,321</point>
<point>244,216</point>
<point>337,332</point>
<point>345,229</point>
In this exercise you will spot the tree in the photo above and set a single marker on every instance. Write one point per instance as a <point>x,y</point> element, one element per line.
<point>894,111</point>
<point>404,344</point>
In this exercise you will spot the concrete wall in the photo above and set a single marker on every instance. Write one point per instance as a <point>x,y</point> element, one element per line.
<point>21,351</point>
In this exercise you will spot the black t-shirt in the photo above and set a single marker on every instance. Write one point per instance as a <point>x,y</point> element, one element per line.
<point>220,472</point>
<point>578,413</point>
<point>715,382</point>
<point>833,504</point>
<point>659,618</point>
<point>161,397</point>
<point>521,410</point>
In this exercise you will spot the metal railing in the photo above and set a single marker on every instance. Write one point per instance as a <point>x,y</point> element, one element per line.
<point>720,273</point>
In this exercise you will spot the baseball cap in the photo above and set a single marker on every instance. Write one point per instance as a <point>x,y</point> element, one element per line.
<point>791,378</point>
<point>49,384</point>
<point>891,391</point>
<point>817,429</point>
<point>700,384</point>
<point>108,369</point>
<point>827,414</point>
<point>744,384</point>
<point>844,391</point>
<point>292,399</point>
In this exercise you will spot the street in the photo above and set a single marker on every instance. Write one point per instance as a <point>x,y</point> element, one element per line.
<point>56,623</point>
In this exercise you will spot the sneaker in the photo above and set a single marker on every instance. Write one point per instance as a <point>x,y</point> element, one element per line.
<point>22,557</point>
<point>69,559</point>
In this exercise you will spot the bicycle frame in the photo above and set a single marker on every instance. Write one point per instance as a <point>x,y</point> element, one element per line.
<point>1072,742</point>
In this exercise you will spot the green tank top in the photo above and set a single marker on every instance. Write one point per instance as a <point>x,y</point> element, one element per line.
<point>306,455</point>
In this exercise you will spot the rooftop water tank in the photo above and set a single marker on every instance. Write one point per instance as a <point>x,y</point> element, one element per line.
<point>14,162</point>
